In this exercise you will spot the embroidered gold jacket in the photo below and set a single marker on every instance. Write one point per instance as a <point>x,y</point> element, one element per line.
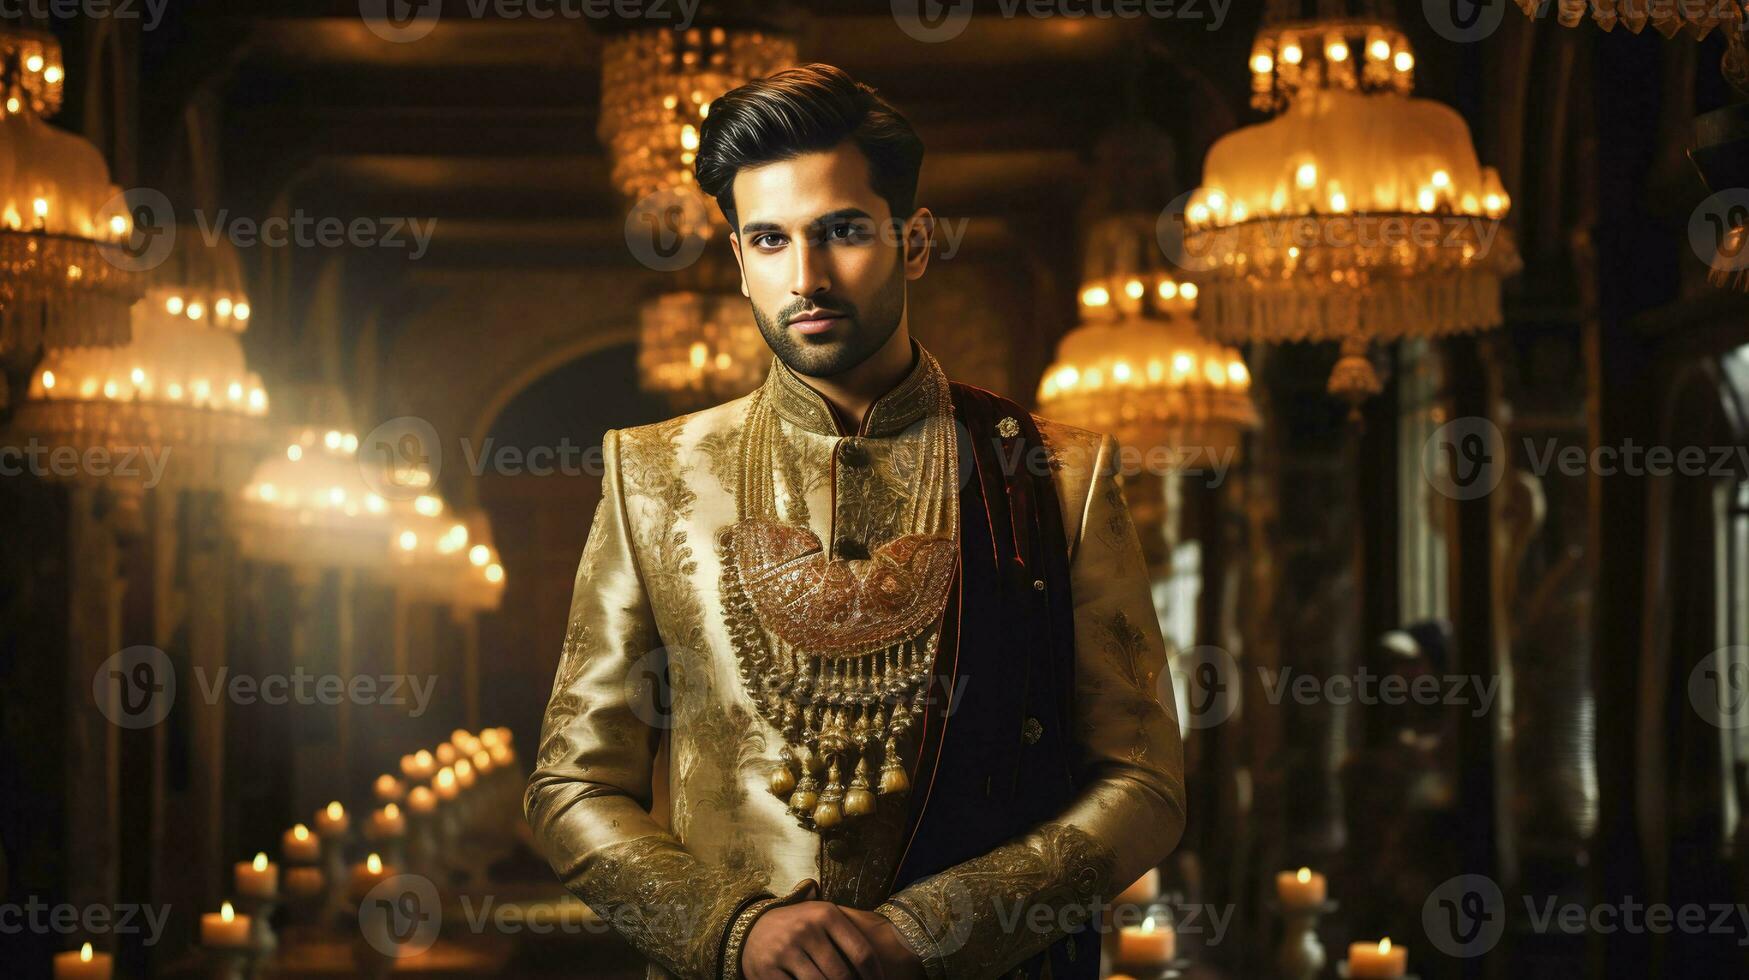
<point>647,654</point>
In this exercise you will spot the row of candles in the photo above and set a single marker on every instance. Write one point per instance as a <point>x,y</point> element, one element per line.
<point>1305,890</point>
<point>1153,945</point>
<point>429,778</point>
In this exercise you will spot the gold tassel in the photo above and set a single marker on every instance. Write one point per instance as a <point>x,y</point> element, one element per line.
<point>858,801</point>
<point>827,811</point>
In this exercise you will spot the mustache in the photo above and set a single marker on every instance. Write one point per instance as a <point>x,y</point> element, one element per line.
<point>827,303</point>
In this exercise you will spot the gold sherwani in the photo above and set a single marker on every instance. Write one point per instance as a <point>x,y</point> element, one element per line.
<point>649,652</point>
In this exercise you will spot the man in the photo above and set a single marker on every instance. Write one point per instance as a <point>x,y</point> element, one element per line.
<point>905,626</point>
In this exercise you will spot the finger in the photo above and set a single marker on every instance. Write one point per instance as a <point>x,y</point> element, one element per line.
<point>801,966</point>
<point>854,944</point>
<point>824,955</point>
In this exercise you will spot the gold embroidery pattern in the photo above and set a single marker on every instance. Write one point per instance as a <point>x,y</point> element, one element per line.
<point>650,888</point>
<point>967,913</point>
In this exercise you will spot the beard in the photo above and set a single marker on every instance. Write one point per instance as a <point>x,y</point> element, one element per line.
<point>851,340</point>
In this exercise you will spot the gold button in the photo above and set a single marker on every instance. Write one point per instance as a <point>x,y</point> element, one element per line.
<point>1031,730</point>
<point>1038,584</point>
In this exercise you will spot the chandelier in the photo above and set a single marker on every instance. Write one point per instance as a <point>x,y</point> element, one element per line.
<point>1136,367</point>
<point>181,384</point>
<point>64,279</point>
<point>657,85</point>
<point>310,506</point>
<point>1353,54</point>
<point>1354,217</point>
<point>699,348</point>
<point>444,557</point>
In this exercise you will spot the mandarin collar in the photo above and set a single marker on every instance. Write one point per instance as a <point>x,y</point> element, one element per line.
<point>906,402</point>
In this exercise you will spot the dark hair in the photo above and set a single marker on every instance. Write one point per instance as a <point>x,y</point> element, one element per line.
<point>806,110</point>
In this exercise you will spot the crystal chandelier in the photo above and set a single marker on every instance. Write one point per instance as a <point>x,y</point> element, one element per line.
<point>445,557</point>
<point>699,348</point>
<point>180,384</point>
<point>64,277</point>
<point>1136,367</point>
<point>1351,217</point>
<point>1363,53</point>
<point>657,85</point>
<point>309,505</point>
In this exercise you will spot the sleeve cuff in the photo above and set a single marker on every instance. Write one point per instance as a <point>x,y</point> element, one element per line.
<point>741,923</point>
<point>915,936</point>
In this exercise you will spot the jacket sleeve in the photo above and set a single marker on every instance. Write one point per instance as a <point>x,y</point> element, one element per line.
<point>589,797</point>
<point>979,918</point>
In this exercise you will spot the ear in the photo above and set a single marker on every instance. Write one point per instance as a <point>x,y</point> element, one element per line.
<point>741,267</point>
<point>919,242</point>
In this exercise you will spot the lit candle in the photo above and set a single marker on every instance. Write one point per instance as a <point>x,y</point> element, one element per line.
<point>1300,889</point>
<point>300,845</point>
<point>83,965</point>
<point>459,737</point>
<point>421,800</point>
<point>446,754</point>
<point>1377,961</point>
<point>367,875</point>
<point>483,762</point>
<point>224,928</point>
<point>389,789</point>
<point>387,822</point>
<point>502,755</point>
<point>445,784</point>
<point>419,766</point>
<point>332,821</point>
<point>491,737</point>
<point>464,773</point>
<point>304,882</point>
<point>1143,891</point>
<point>258,878</point>
<point>1147,944</point>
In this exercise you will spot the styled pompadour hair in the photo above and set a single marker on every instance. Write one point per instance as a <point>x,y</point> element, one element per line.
<point>807,110</point>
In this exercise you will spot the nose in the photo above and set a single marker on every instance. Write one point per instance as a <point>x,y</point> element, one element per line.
<point>812,275</point>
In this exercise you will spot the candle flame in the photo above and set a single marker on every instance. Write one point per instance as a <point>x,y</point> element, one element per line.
<point>226,912</point>
<point>1384,946</point>
<point>260,861</point>
<point>336,811</point>
<point>446,776</point>
<point>422,757</point>
<point>1305,875</point>
<point>1148,924</point>
<point>85,953</point>
<point>301,832</point>
<point>375,864</point>
<point>391,811</point>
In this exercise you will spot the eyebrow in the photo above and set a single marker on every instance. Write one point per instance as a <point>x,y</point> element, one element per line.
<point>829,218</point>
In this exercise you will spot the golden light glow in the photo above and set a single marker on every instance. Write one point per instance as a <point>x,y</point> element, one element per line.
<point>301,832</point>
<point>85,953</point>
<point>227,913</point>
<point>374,864</point>
<point>1304,875</point>
<point>260,862</point>
<point>336,811</point>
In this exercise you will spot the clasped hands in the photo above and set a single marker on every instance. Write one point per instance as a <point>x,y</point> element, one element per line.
<point>815,940</point>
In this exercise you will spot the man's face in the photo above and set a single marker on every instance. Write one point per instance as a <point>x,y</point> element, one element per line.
<point>819,260</point>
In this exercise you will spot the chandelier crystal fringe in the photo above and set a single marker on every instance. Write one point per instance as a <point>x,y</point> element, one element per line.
<point>699,348</point>
<point>65,279</point>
